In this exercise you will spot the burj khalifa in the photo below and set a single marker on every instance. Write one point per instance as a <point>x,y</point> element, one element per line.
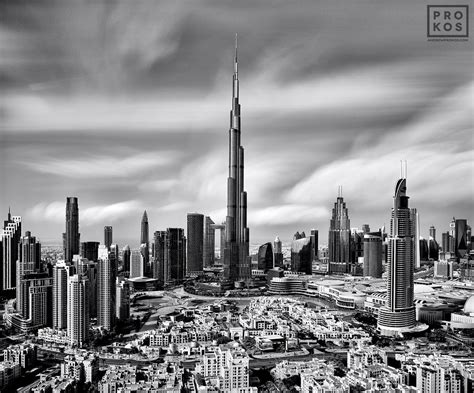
<point>236,250</point>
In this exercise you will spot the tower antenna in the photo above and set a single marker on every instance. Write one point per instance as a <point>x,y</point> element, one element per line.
<point>236,70</point>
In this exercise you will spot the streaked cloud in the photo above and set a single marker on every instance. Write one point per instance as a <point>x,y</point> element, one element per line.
<point>89,167</point>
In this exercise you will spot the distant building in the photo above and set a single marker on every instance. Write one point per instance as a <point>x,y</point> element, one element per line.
<point>195,243</point>
<point>89,250</point>
<point>60,277</point>
<point>29,261</point>
<point>339,237</point>
<point>460,239</point>
<point>108,239</point>
<point>301,255</point>
<point>126,258</point>
<point>159,239</point>
<point>10,237</point>
<point>265,257</point>
<point>71,236</point>
<point>174,255</point>
<point>34,301</point>
<point>277,253</point>
<point>145,241</point>
<point>122,299</point>
<point>137,264</point>
<point>209,242</point>
<point>78,310</point>
<point>106,274</point>
<point>373,255</point>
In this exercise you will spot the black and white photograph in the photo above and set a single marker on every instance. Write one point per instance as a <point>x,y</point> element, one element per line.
<point>236,196</point>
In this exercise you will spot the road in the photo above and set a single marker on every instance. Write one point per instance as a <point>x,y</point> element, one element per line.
<point>258,363</point>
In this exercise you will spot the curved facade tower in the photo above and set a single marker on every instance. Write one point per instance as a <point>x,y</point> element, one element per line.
<point>398,315</point>
<point>236,252</point>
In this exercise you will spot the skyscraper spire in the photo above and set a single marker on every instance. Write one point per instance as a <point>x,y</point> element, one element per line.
<point>236,62</point>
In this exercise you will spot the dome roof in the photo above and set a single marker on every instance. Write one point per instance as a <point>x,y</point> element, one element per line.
<point>469,305</point>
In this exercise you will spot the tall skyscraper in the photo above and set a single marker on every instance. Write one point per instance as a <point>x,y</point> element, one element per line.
<point>61,274</point>
<point>314,244</point>
<point>460,238</point>
<point>159,240</point>
<point>373,254</point>
<point>265,257</point>
<point>78,310</point>
<point>29,259</point>
<point>145,240</point>
<point>339,237</point>
<point>195,243</point>
<point>144,234</point>
<point>126,258</point>
<point>137,264</point>
<point>71,236</point>
<point>398,315</point>
<point>174,255</point>
<point>277,253</point>
<point>106,276</point>
<point>236,253</point>
<point>89,250</point>
<point>302,254</point>
<point>10,238</point>
<point>209,242</point>
<point>108,236</point>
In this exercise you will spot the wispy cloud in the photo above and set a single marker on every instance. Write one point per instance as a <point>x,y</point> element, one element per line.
<point>89,215</point>
<point>103,167</point>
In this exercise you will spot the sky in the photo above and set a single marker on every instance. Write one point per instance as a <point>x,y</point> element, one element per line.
<point>125,104</point>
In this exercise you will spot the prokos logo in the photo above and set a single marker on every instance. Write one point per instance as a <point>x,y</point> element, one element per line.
<point>448,21</point>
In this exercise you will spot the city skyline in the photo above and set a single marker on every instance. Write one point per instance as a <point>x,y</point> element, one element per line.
<point>322,108</point>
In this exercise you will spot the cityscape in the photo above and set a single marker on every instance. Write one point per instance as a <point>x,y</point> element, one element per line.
<point>230,295</point>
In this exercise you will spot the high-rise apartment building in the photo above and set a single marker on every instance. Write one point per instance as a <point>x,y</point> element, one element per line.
<point>60,279</point>
<point>137,264</point>
<point>398,315</point>
<point>34,300</point>
<point>126,258</point>
<point>72,236</point>
<point>78,310</point>
<point>106,291</point>
<point>29,260</point>
<point>108,236</point>
<point>10,237</point>
<point>339,237</point>
<point>236,252</point>
<point>195,243</point>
